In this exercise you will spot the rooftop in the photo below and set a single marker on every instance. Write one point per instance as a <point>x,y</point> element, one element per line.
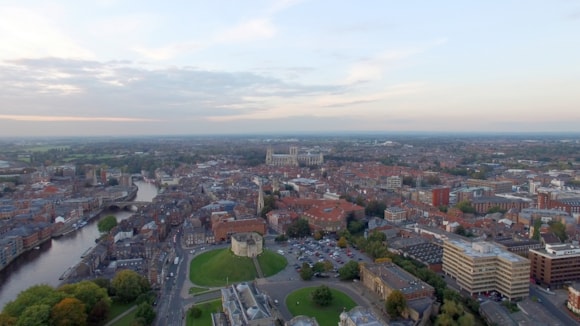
<point>483,249</point>
<point>397,278</point>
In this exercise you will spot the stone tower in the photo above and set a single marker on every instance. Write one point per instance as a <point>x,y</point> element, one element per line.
<point>260,205</point>
<point>269,155</point>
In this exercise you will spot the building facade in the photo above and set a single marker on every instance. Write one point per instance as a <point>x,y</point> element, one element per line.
<point>480,267</point>
<point>247,244</point>
<point>555,265</point>
<point>573,302</point>
<point>293,158</point>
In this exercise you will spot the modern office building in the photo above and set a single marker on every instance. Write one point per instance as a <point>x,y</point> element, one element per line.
<point>480,267</point>
<point>555,265</point>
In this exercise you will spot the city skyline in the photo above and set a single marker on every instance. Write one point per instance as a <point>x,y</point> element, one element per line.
<point>132,68</point>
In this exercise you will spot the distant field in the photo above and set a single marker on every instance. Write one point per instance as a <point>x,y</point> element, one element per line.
<point>44,148</point>
<point>216,267</point>
<point>271,263</point>
<point>299,303</point>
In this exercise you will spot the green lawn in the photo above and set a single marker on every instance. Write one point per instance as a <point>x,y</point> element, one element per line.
<point>126,320</point>
<point>326,316</point>
<point>119,308</point>
<point>207,309</point>
<point>271,263</point>
<point>195,289</point>
<point>215,267</point>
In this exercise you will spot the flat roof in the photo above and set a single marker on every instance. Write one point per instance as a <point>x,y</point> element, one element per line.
<point>482,249</point>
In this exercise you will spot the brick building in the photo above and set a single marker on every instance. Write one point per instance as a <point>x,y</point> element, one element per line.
<point>555,265</point>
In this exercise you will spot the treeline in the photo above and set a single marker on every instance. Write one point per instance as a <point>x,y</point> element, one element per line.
<point>86,303</point>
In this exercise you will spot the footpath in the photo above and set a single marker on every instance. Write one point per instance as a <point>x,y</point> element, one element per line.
<point>116,319</point>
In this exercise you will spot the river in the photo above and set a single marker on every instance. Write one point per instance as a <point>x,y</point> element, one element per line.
<point>54,257</point>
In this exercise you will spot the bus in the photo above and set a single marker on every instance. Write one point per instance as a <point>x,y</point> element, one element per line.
<point>176,261</point>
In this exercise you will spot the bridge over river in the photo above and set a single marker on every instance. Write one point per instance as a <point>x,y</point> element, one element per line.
<point>126,205</point>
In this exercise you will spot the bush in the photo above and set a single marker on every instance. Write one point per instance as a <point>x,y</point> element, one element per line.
<point>195,312</point>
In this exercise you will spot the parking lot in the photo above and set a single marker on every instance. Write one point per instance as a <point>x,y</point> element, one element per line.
<point>311,251</point>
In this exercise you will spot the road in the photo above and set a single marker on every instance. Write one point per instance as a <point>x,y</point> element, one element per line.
<point>557,312</point>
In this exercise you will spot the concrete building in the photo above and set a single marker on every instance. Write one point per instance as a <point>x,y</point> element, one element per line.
<point>481,267</point>
<point>498,187</point>
<point>247,244</point>
<point>555,265</point>
<point>293,158</point>
<point>360,316</point>
<point>573,302</point>
<point>244,305</point>
<point>395,214</point>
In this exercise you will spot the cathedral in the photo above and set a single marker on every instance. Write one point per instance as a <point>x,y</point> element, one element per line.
<point>293,159</point>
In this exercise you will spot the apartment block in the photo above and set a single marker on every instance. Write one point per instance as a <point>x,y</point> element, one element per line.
<point>481,267</point>
<point>556,264</point>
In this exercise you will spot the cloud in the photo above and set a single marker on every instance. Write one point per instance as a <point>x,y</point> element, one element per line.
<point>37,118</point>
<point>373,69</point>
<point>27,33</point>
<point>252,30</point>
<point>169,51</point>
<point>93,89</point>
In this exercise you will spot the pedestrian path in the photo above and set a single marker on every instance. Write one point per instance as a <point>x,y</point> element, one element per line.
<point>116,319</point>
<point>258,268</point>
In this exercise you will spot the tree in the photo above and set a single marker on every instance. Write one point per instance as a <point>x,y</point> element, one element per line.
<point>88,293</point>
<point>318,267</point>
<point>349,271</point>
<point>342,243</point>
<point>145,311</point>
<point>318,235</point>
<point>306,272</point>
<point>465,207</point>
<point>35,315</point>
<point>100,312</point>
<point>460,230</point>
<point>376,250</point>
<point>34,295</point>
<point>7,320</point>
<point>375,208</point>
<point>377,236</point>
<point>281,238</point>
<point>559,229</point>
<point>298,228</point>
<point>322,296</point>
<point>356,226</point>
<point>537,227</point>
<point>69,312</point>
<point>128,285</point>
<point>396,304</point>
<point>194,311</point>
<point>466,320</point>
<point>107,223</point>
<point>328,266</point>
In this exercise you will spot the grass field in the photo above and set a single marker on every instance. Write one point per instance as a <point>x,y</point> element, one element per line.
<point>126,320</point>
<point>207,309</point>
<point>326,316</point>
<point>119,308</point>
<point>216,267</point>
<point>195,289</point>
<point>271,263</point>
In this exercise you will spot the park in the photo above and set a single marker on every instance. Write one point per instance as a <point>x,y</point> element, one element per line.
<point>221,267</point>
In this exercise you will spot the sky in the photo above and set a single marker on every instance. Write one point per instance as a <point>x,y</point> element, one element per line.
<point>192,67</point>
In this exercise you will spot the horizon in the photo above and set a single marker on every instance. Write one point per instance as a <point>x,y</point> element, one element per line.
<point>131,69</point>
